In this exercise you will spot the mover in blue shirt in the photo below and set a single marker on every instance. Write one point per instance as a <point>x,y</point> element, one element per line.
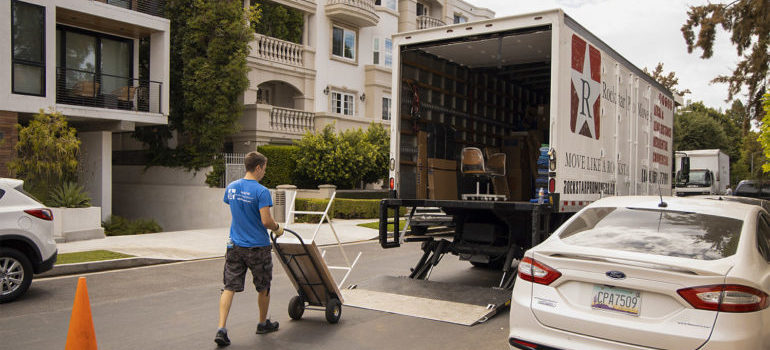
<point>249,244</point>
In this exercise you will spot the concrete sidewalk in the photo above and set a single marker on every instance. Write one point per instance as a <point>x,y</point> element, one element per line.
<point>164,247</point>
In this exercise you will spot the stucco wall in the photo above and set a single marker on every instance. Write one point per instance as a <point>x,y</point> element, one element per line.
<point>176,199</point>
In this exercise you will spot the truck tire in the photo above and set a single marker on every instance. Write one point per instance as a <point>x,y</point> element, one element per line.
<point>495,263</point>
<point>15,274</point>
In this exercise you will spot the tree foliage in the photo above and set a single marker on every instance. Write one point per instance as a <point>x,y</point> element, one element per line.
<point>764,136</point>
<point>696,129</point>
<point>279,21</point>
<point>47,154</point>
<point>670,81</point>
<point>749,23</point>
<point>209,45</point>
<point>344,159</point>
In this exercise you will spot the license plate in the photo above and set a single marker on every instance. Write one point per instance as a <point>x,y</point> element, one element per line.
<point>625,301</point>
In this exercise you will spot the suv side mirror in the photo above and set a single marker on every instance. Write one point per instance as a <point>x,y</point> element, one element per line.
<point>684,167</point>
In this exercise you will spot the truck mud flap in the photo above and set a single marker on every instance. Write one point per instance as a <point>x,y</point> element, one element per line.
<point>440,301</point>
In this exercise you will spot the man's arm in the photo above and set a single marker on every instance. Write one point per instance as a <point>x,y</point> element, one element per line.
<point>267,219</point>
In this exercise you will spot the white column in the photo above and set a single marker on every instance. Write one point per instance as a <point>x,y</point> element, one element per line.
<point>160,56</point>
<point>96,165</point>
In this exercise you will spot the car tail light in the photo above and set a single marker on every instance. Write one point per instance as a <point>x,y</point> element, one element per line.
<point>552,185</point>
<point>725,297</point>
<point>535,271</point>
<point>392,183</point>
<point>44,214</point>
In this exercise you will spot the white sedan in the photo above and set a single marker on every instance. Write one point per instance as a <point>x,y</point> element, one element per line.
<point>646,273</point>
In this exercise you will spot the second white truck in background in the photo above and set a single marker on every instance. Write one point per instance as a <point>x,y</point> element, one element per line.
<point>708,173</point>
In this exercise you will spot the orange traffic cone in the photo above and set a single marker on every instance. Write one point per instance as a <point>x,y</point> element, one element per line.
<point>81,334</point>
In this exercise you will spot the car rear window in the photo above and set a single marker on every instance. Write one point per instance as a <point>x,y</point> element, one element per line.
<point>747,188</point>
<point>659,232</point>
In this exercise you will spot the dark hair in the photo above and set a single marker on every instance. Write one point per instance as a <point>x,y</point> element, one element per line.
<point>253,160</point>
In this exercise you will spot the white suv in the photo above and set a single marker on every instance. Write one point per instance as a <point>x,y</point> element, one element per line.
<point>26,239</point>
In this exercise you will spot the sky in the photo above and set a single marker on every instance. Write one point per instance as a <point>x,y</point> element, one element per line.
<point>645,32</point>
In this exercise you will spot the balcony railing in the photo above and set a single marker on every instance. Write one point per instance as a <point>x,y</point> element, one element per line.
<point>425,22</point>
<point>277,50</point>
<point>83,88</point>
<point>150,7</point>
<point>367,5</point>
<point>357,12</point>
<point>291,120</point>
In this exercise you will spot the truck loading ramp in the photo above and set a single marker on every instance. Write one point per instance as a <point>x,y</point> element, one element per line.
<point>446,302</point>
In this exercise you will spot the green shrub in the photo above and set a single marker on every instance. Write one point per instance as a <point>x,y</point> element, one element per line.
<point>341,209</point>
<point>215,178</point>
<point>69,195</point>
<point>281,162</point>
<point>119,226</point>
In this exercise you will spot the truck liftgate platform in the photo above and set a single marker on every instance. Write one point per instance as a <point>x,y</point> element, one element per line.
<point>491,234</point>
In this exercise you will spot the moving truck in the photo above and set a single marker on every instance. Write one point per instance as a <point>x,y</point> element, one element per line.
<point>708,172</point>
<point>573,120</point>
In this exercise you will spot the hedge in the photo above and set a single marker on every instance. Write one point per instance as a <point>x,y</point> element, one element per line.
<point>281,162</point>
<point>341,209</point>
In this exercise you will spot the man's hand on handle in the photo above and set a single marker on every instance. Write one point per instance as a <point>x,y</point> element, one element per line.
<point>278,231</point>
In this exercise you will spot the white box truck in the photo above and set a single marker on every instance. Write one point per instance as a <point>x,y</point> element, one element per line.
<point>574,120</point>
<point>708,172</point>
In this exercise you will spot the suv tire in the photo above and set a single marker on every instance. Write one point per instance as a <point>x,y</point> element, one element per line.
<point>16,265</point>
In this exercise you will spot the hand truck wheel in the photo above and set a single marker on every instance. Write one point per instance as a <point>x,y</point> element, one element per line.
<point>333,310</point>
<point>296,307</point>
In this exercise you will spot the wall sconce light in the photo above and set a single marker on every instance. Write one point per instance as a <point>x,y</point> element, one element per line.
<point>363,97</point>
<point>326,90</point>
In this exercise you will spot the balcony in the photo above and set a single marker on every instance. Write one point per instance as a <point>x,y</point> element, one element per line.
<point>150,7</point>
<point>83,88</point>
<point>291,121</point>
<point>278,51</point>
<point>356,12</point>
<point>425,22</point>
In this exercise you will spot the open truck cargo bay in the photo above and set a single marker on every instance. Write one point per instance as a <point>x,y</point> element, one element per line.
<point>574,119</point>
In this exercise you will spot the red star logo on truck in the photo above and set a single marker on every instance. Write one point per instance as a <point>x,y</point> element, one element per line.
<point>585,88</point>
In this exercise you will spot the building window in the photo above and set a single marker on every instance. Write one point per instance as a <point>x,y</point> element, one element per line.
<point>343,103</point>
<point>386,108</point>
<point>28,42</point>
<point>391,4</point>
<point>388,52</point>
<point>343,43</point>
<point>459,18</point>
<point>423,9</point>
<point>92,64</point>
<point>376,58</point>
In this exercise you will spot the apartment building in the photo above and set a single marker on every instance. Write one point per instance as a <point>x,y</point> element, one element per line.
<point>104,64</point>
<point>337,71</point>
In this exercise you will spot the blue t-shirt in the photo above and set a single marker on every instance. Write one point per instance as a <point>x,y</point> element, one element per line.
<point>245,198</point>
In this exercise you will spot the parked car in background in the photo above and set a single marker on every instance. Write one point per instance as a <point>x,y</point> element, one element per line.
<point>648,272</point>
<point>27,245</point>
<point>753,188</point>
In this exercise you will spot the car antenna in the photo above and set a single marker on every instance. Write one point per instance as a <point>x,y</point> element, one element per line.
<point>662,204</point>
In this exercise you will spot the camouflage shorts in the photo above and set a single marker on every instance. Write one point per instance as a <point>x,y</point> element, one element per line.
<point>257,259</point>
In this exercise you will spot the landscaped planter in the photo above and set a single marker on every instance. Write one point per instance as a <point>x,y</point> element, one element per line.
<point>77,224</point>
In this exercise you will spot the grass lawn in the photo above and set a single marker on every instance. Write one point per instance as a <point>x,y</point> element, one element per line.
<point>376,225</point>
<point>91,255</point>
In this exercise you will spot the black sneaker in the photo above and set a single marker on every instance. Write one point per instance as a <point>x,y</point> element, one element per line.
<point>221,339</point>
<point>267,327</point>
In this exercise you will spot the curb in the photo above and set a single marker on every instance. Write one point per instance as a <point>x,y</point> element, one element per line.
<point>96,266</point>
